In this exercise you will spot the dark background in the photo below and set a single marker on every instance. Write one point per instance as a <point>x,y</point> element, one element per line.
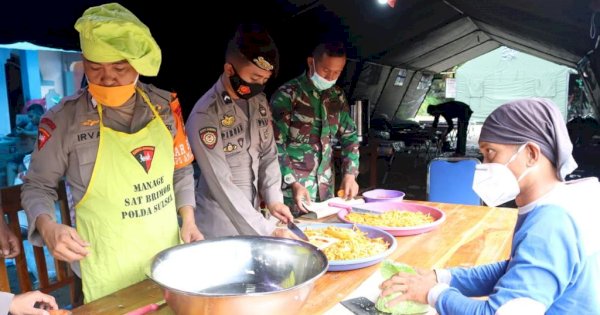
<point>192,35</point>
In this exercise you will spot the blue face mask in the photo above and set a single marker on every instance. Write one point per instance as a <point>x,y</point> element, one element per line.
<point>319,82</point>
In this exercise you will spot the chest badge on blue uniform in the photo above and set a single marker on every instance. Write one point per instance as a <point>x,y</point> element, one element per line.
<point>262,110</point>
<point>227,121</point>
<point>229,147</point>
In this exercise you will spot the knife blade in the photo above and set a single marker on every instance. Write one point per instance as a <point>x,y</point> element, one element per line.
<point>296,230</point>
<point>363,210</point>
<point>362,306</point>
<point>353,208</point>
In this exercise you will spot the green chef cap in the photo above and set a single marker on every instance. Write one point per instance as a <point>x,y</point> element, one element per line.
<point>110,33</point>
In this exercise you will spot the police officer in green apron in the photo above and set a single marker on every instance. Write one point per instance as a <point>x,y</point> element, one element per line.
<point>123,149</point>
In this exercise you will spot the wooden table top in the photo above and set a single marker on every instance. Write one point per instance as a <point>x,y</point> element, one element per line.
<point>471,235</point>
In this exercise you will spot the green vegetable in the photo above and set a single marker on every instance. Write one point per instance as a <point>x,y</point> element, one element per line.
<point>289,282</point>
<point>388,269</point>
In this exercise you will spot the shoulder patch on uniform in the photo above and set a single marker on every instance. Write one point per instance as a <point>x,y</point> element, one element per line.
<point>208,136</point>
<point>43,137</point>
<point>48,122</point>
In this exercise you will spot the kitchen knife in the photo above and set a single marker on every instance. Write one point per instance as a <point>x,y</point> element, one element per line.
<point>353,208</point>
<point>296,230</point>
<point>362,306</point>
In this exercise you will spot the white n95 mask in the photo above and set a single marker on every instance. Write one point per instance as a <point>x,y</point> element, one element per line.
<point>495,183</point>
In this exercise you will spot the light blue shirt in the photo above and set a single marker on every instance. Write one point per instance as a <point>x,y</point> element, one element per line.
<point>555,259</point>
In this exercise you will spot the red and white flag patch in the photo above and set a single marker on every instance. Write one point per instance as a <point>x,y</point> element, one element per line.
<point>144,155</point>
<point>43,137</point>
<point>48,122</point>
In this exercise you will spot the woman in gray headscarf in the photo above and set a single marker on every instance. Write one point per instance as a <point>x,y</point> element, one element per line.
<point>555,256</point>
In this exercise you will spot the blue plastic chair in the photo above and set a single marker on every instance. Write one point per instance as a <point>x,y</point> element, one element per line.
<point>450,180</point>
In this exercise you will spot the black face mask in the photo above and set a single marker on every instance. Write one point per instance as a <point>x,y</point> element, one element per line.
<point>244,89</point>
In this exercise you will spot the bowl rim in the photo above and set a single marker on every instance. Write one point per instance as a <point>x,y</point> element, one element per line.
<point>308,282</point>
<point>442,217</point>
<point>372,191</point>
<point>358,261</point>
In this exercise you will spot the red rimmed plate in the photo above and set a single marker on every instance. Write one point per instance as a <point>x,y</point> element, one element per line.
<point>438,215</point>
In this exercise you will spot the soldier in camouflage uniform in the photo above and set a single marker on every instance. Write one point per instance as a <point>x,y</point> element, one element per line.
<point>308,112</point>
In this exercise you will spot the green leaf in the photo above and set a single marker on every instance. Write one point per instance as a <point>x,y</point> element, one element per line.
<point>388,269</point>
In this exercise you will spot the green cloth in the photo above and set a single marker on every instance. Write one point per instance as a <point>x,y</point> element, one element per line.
<point>110,33</point>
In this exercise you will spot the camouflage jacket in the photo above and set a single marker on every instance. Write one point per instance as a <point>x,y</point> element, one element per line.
<point>306,120</point>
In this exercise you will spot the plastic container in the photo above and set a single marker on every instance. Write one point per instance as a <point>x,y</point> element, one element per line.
<point>377,195</point>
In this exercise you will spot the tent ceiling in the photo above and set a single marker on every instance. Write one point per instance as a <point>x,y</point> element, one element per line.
<point>434,35</point>
<point>428,35</point>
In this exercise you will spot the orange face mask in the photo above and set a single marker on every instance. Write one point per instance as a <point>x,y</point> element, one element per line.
<point>112,96</point>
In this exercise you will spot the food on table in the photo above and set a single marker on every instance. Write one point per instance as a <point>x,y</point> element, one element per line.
<point>348,243</point>
<point>59,312</point>
<point>388,269</point>
<point>392,218</point>
<point>341,193</point>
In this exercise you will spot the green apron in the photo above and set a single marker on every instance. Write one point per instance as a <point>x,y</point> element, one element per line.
<point>128,212</point>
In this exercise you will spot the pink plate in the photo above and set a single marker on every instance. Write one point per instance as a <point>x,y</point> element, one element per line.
<point>436,213</point>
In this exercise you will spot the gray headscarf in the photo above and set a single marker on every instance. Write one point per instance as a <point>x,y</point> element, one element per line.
<point>532,120</point>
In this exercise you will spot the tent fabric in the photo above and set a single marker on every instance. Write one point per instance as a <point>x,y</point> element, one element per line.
<point>425,36</point>
<point>430,36</point>
<point>502,75</point>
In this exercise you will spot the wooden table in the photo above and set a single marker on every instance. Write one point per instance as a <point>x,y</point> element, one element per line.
<point>471,235</point>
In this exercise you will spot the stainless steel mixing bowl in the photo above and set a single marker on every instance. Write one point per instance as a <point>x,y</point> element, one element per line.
<point>238,275</point>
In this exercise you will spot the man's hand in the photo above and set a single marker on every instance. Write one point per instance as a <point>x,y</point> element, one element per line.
<point>9,243</point>
<point>281,212</point>
<point>23,304</point>
<point>285,233</point>
<point>349,186</point>
<point>63,241</point>
<point>413,287</point>
<point>300,194</point>
<point>189,230</point>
